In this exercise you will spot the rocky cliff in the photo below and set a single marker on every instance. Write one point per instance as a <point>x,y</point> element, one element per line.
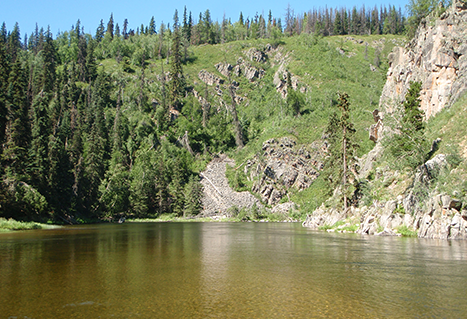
<point>437,57</point>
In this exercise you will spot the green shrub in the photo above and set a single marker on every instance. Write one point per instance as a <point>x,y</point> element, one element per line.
<point>406,232</point>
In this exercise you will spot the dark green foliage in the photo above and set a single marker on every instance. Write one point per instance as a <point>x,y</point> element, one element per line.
<point>410,147</point>
<point>17,126</point>
<point>193,193</point>
<point>342,147</point>
<point>177,82</point>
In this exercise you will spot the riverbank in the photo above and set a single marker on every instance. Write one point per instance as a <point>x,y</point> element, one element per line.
<point>243,215</point>
<point>7,225</point>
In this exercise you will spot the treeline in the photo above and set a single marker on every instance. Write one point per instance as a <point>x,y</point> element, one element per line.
<point>76,144</point>
<point>203,30</point>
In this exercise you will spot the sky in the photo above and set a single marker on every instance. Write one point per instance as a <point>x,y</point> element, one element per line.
<point>60,15</point>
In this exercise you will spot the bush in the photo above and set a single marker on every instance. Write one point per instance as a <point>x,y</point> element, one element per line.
<point>406,232</point>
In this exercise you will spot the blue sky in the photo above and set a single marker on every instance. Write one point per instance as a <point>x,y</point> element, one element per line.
<point>60,15</point>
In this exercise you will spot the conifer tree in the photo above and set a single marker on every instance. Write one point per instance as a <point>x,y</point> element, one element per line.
<point>4,71</point>
<point>100,31</point>
<point>152,26</point>
<point>342,148</point>
<point>17,127</point>
<point>110,26</point>
<point>193,193</point>
<point>38,152</point>
<point>177,82</point>
<point>410,146</point>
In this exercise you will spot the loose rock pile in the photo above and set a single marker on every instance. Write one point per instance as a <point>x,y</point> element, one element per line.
<point>218,195</point>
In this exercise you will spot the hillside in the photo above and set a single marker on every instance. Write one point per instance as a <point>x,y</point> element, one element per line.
<point>413,181</point>
<point>319,68</point>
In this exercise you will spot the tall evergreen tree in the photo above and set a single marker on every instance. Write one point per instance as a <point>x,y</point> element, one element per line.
<point>110,26</point>
<point>39,149</point>
<point>100,31</point>
<point>342,147</point>
<point>152,26</point>
<point>410,146</point>
<point>17,127</point>
<point>177,82</point>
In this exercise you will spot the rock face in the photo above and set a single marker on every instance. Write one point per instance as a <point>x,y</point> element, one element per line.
<point>442,218</point>
<point>283,165</point>
<point>439,216</point>
<point>218,196</point>
<point>224,68</point>
<point>209,78</point>
<point>437,57</point>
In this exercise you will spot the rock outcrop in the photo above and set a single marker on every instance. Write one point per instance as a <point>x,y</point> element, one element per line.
<point>209,78</point>
<point>442,218</point>
<point>283,165</point>
<point>224,68</point>
<point>437,57</point>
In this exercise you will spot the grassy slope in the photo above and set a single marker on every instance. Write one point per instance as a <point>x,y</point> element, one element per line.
<point>324,65</point>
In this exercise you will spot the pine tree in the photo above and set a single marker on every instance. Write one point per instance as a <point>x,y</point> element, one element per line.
<point>152,26</point>
<point>4,71</point>
<point>100,31</point>
<point>17,127</point>
<point>193,194</point>
<point>110,26</point>
<point>39,149</point>
<point>60,176</point>
<point>342,148</point>
<point>177,81</point>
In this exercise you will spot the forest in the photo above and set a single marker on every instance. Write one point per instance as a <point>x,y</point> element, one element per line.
<point>83,140</point>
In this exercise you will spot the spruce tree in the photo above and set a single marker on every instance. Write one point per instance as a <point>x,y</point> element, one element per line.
<point>17,126</point>
<point>177,81</point>
<point>100,31</point>
<point>4,71</point>
<point>342,147</point>
<point>39,149</point>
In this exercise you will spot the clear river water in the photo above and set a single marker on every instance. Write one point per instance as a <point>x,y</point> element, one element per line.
<point>227,270</point>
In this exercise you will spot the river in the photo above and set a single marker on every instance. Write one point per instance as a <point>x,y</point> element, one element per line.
<point>227,270</point>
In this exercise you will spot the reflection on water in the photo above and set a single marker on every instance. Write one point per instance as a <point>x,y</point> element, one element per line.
<point>227,270</point>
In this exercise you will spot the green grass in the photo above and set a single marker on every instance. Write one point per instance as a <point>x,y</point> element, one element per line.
<point>406,232</point>
<point>11,224</point>
<point>341,226</point>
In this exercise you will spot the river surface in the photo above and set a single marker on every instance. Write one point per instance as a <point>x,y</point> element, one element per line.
<point>227,270</point>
